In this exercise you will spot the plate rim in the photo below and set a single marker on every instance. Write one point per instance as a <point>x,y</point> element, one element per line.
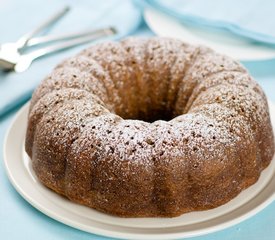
<point>95,230</point>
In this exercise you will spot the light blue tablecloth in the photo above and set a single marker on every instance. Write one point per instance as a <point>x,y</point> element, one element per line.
<point>19,220</point>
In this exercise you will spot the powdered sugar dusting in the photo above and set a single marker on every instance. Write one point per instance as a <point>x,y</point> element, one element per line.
<point>86,140</point>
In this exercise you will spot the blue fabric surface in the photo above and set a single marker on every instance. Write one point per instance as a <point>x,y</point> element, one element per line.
<point>18,219</point>
<point>23,16</point>
<point>253,19</point>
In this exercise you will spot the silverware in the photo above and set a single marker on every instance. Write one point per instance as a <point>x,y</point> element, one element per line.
<point>25,60</point>
<point>12,56</point>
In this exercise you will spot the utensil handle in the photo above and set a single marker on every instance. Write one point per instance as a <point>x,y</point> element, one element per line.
<point>71,43</point>
<point>23,41</point>
<point>54,38</point>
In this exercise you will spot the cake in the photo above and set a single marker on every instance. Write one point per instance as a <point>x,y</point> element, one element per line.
<point>149,128</point>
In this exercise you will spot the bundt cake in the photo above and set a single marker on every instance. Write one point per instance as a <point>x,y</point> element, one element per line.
<point>149,128</point>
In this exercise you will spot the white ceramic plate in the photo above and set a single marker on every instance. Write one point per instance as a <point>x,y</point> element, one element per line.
<point>164,25</point>
<point>21,175</point>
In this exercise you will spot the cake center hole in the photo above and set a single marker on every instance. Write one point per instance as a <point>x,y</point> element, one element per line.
<point>149,112</point>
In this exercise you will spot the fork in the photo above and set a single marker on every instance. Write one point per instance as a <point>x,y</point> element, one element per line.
<point>13,58</point>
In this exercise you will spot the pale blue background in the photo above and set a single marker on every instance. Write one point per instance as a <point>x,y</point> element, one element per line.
<point>19,220</point>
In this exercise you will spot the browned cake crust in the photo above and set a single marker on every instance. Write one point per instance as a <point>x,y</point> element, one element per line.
<point>95,135</point>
